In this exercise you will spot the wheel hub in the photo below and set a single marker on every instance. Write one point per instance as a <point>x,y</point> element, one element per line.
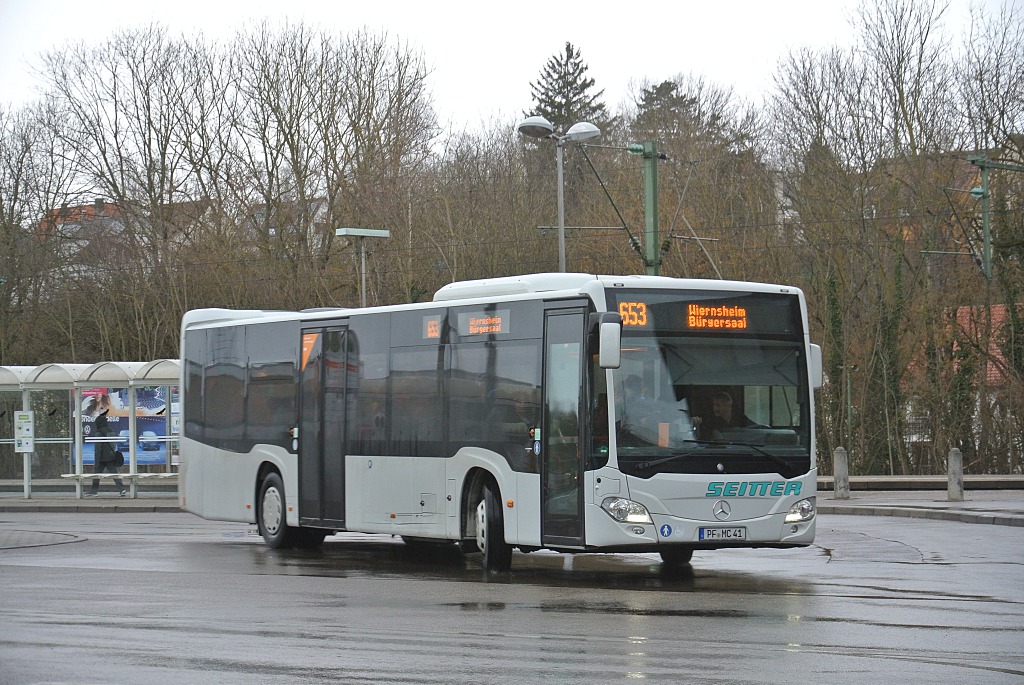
<point>481,525</point>
<point>272,510</point>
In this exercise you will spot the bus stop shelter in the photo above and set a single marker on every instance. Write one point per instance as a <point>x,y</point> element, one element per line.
<point>78,379</point>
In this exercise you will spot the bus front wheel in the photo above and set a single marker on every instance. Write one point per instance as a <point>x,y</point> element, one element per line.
<point>271,513</point>
<point>675,557</point>
<point>490,532</point>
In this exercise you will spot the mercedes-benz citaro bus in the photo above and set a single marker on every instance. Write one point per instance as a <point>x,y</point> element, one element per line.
<point>566,412</point>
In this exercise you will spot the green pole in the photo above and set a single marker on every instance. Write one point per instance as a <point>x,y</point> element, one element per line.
<point>652,257</point>
<point>983,163</point>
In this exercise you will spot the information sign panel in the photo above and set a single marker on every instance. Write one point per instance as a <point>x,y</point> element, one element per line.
<point>24,431</point>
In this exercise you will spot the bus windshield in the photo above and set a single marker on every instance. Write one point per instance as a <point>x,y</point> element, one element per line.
<point>710,402</point>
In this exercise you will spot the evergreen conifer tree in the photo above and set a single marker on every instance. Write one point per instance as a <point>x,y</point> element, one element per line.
<point>564,93</point>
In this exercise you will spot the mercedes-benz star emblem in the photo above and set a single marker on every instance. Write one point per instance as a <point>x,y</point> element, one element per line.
<point>721,510</point>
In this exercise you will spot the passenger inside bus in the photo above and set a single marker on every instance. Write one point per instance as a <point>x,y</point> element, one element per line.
<point>724,417</point>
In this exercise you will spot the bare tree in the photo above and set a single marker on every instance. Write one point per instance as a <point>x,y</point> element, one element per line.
<point>36,176</point>
<point>990,88</point>
<point>907,55</point>
<point>124,100</point>
<point>376,131</point>
<point>329,126</point>
<point>864,138</point>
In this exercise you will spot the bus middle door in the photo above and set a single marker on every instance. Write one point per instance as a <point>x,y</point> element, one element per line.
<point>322,426</point>
<point>561,458</point>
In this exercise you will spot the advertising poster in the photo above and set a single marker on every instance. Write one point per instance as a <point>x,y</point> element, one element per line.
<point>152,421</point>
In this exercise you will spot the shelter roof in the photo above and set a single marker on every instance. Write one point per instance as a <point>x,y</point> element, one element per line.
<point>53,377</point>
<point>11,377</point>
<point>109,374</point>
<point>100,374</point>
<point>159,372</point>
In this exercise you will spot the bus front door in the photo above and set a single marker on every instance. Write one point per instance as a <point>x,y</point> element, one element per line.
<point>561,460</point>
<point>322,427</point>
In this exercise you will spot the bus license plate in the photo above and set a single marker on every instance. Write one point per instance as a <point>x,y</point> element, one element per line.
<point>725,534</point>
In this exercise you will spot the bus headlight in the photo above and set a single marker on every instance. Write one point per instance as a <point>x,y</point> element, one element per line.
<point>801,511</point>
<point>626,510</point>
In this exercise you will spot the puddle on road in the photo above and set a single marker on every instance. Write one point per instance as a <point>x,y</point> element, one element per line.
<point>385,557</point>
<point>603,608</point>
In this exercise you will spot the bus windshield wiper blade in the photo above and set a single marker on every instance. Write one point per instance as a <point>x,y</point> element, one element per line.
<point>677,455</point>
<point>774,458</point>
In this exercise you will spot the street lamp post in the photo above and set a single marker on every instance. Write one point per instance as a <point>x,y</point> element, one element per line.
<point>362,234</point>
<point>539,127</point>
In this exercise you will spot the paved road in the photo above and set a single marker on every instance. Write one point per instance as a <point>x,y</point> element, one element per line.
<point>140,597</point>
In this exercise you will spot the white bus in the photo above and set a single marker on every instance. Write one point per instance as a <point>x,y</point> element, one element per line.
<point>567,412</point>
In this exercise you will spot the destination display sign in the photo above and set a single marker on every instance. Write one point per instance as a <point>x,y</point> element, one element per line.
<point>725,313</point>
<point>726,317</point>
<point>484,323</point>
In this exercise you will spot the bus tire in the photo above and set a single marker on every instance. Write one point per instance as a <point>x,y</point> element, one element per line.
<point>490,531</point>
<point>674,557</point>
<point>311,538</point>
<point>271,516</point>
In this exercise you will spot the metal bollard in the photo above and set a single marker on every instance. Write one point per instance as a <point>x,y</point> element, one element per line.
<point>955,467</point>
<point>841,474</point>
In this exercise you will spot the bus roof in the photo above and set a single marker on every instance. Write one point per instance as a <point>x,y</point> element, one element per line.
<point>551,282</point>
<point>514,287</point>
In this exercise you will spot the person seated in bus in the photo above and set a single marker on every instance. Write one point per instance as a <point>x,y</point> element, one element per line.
<point>724,417</point>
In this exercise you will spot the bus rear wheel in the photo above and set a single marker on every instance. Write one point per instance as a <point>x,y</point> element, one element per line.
<point>310,538</point>
<point>271,514</point>
<point>490,532</point>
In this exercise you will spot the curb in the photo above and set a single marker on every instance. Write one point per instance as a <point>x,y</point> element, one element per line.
<point>28,506</point>
<point>998,519</point>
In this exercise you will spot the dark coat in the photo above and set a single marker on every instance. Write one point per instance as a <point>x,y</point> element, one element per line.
<point>105,451</point>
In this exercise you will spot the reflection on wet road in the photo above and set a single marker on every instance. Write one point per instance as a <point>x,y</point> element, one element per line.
<point>170,598</point>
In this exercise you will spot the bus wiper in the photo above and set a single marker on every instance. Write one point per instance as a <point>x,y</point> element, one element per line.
<point>677,455</point>
<point>775,459</point>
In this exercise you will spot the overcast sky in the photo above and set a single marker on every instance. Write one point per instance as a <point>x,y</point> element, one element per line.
<point>483,54</point>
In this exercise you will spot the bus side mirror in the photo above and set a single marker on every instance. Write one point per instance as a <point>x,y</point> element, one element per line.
<point>608,327</point>
<point>610,335</point>
<point>611,341</point>
<point>815,366</point>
